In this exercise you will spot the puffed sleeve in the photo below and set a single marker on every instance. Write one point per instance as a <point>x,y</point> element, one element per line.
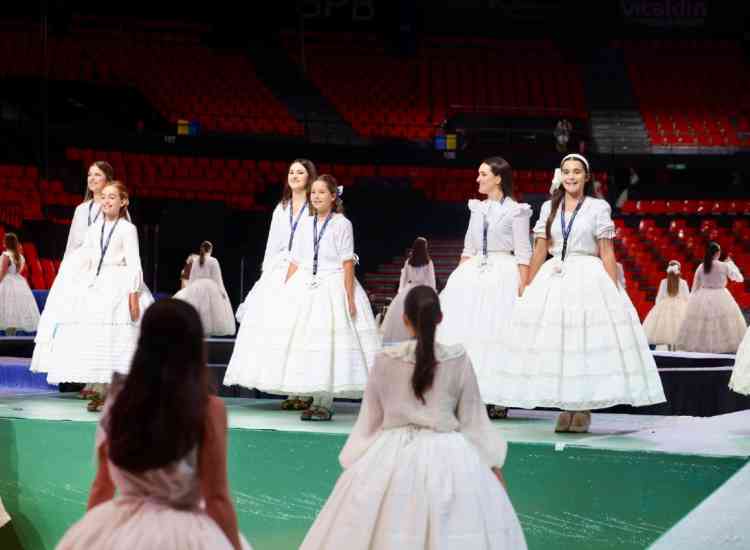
<point>475,425</point>
<point>605,227</point>
<point>273,244</point>
<point>78,227</point>
<point>470,247</point>
<point>370,419</point>
<point>540,228</point>
<point>684,290</point>
<point>521,238</point>
<point>132,257</point>
<point>662,290</point>
<point>733,272</point>
<point>344,236</point>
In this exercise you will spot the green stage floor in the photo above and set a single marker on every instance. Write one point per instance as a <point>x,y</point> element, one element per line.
<point>622,486</point>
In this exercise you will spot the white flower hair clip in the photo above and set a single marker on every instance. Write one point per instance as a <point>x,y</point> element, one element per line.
<point>674,269</point>
<point>339,190</point>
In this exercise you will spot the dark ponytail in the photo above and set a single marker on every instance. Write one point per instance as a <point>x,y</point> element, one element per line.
<point>708,260</point>
<point>206,247</point>
<point>422,308</point>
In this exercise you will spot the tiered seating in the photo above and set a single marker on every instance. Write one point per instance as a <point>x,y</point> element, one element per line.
<point>395,96</point>
<point>19,194</point>
<point>646,248</point>
<point>515,78</point>
<point>687,207</point>
<point>378,93</point>
<point>182,79</point>
<point>236,181</point>
<point>382,284</point>
<point>689,91</point>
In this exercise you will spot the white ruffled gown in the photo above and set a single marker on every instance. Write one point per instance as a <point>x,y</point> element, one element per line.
<point>664,320</point>
<point>18,307</point>
<point>95,335</point>
<point>576,341</point>
<point>713,321</point>
<point>740,380</point>
<point>304,341</point>
<point>478,300</point>
<point>275,260</point>
<point>418,475</point>
<point>205,291</point>
<point>393,328</point>
<point>86,214</point>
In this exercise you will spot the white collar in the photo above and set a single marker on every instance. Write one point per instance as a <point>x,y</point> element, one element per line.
<point>407,351</point>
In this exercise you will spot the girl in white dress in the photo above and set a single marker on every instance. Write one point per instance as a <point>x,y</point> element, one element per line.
<point>185,273</point>
<point>206,293</point>
<point>480,294</point>
<point>713,320</point>
<point>418,270</point>
<point>18,309</point>
<point>664,320</point>
<point>267,291</point>
<point>576,341</point>
<point>162,480</point>
<point>319,339</point>
<point>86,214</point>
<point>422,465</point>
<point>98,331</point>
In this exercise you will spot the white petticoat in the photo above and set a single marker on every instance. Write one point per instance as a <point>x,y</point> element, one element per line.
<point>303,340</point>
<point>477,305</point>
<point>271,280</point>
<point>740,381</point>
<point>212,305</point>
<point>417,489</point>
<point>18,308</point>
<point>576,343</point>
<point>713,323</point>
<point>664,320</point>
<point>57,297</point>
<point>95,335</point>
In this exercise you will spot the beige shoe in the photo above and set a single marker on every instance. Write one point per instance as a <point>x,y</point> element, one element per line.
<point>563,422</point>
<point>581,422</point>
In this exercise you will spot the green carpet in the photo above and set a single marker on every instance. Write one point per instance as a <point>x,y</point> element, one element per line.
<point>577,497</point>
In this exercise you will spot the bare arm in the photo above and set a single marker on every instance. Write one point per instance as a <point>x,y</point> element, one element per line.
<point>213,472</point>
<point>290,271</point>
<point>607,254</point>
<point>349,286</point>
<point>102,489</point>
<point>538,257</point>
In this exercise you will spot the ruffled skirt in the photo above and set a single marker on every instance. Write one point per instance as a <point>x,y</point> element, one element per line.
<point>212,305</point>
<point>304,341</point>
<point>416,488</point>
<point>18,308</point>
<point>664,320</point>
<point>713,323</point>
<point>127,523</point>
<point>576,343</point>
<point>271,280</point>
<point>477,305</point>
<point>95,335</point>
